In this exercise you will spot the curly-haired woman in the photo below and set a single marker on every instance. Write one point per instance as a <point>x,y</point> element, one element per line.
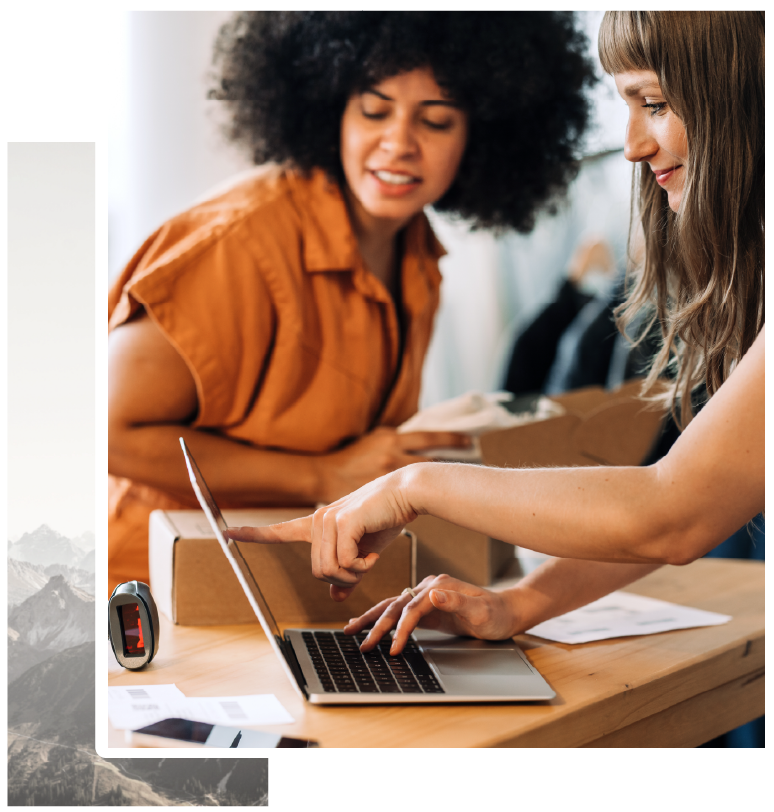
<point>694,86</point>
<point>281,326</point>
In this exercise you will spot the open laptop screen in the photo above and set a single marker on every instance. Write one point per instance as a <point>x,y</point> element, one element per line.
<point>218,523</point>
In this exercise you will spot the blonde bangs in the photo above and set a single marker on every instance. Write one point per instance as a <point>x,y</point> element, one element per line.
<point>621,45</point>
<point>703,274</point>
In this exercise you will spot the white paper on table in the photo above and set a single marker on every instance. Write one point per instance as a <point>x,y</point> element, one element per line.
<point>131,707</point>
<point>256,709</point>
<point>622,614</point>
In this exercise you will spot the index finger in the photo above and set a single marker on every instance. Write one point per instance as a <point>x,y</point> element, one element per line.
<point>410,618</point>
<point>294,530</point>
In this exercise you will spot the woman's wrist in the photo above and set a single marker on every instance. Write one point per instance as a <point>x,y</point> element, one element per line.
<point>518,603</point>
<point>304,477</point>
<point>413,482</point>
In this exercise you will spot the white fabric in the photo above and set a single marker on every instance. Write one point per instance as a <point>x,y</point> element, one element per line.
<point>474,414</point>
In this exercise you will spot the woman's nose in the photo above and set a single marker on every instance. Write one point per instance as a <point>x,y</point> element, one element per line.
<point>639,145</point>
<point>398,137</point>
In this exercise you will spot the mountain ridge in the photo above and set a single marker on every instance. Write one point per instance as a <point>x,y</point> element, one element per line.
<point>24,580</point>
<point>57,617</point>
<point>51,662</point>
<point>45,546</point>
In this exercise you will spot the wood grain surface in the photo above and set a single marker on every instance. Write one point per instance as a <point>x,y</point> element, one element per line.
<point>674,689</point>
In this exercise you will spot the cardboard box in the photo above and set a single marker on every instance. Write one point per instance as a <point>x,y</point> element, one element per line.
<point>600,427</point>
<point>443,547</point>
<point>193,583</point>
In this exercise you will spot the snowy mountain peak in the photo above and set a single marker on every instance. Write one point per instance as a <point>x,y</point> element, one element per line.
<point>85,542</point>
<point>45,546</point>
<point>57,617</point>
<point>24,580</point>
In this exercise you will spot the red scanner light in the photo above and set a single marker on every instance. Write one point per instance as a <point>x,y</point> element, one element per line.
<point>131,630</point>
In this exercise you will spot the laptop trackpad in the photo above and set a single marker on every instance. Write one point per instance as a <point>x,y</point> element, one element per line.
<point>504,663</point>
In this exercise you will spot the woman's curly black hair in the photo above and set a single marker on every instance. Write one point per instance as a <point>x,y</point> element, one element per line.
<point>520,76</point>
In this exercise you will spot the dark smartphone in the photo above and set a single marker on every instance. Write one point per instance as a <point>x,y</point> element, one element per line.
<point>185,733</point>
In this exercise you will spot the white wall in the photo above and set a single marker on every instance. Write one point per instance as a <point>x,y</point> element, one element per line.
<point>51,261</point>
<point>494,286</point>
<point>165,150</point>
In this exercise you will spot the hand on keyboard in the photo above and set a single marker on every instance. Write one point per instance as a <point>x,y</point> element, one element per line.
<point>342,668</point>
<point>443,603</point>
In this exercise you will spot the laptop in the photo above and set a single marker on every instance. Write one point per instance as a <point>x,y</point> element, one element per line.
<point>327,668</point>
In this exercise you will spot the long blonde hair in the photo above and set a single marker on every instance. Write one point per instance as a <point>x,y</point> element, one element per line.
<point>702,278</point>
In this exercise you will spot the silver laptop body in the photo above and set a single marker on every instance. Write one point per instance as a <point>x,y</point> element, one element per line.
<point>325,667</point>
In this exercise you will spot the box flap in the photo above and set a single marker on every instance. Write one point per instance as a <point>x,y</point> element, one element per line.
<point>601,428</point>
<point>588,399</point>
<point>621,432</point>
<point>162,535</point>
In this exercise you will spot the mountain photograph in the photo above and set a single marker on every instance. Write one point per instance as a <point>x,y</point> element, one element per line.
<point>56,617</point>
<point>46,546</point>
<point>51,755</point>
<point>24,580</point>
<point>52,216</point>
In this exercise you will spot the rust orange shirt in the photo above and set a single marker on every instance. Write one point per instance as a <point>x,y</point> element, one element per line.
<point>292,343</point>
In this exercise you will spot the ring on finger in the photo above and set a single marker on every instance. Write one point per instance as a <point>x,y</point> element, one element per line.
<point>409,591</point>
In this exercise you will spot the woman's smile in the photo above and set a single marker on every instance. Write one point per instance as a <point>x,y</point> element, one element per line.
<point>664,175</point>
<point>395,183</point>
<point>655,135</point>
<point>402,141</point>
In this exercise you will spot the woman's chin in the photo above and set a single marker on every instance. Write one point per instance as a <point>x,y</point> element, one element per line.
<point>673,199</point>
<point>393,207</point>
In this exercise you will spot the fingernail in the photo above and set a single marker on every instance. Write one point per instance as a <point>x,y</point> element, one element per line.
<point>439,596</point>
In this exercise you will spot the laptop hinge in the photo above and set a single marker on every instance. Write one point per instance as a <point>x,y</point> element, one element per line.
<point>290,657</point>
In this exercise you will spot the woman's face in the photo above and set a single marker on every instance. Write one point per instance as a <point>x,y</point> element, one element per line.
<point>401,144</point>
<point>654,134</point>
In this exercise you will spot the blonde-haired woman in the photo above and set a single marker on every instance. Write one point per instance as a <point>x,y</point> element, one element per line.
<point>694,86</point>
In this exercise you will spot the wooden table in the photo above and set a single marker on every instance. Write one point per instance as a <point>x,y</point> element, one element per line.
<point>674,689</point>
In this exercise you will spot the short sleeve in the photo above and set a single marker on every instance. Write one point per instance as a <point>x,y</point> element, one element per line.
<point>213,305</point>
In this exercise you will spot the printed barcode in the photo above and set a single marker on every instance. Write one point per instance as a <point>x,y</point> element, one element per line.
<point>233,710</point>
<point>137,693</point>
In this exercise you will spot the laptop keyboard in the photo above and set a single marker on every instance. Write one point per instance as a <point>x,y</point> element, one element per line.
<point>342,668</point>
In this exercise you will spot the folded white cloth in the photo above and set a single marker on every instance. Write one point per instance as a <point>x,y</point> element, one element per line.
<point>474,413</point>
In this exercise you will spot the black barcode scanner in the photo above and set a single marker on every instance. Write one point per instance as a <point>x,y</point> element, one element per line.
<point>133,624</point>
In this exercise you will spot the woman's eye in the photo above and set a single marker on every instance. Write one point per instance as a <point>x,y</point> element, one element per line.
<point>655,107</point>
<point>438,125</point>
<point>376,115</point>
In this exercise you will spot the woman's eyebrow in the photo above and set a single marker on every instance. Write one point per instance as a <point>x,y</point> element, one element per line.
<point>638,87</point>
<point>426,103</point>
<point>377,93</point>
<point>440,103</point>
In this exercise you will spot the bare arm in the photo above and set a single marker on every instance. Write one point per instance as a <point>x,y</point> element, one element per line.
<point>563,584</point>
<point>711,483</point>
<point>455,607</point>
<point>608,526</point>
<point>152,400</point>
<point>708,485</point>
